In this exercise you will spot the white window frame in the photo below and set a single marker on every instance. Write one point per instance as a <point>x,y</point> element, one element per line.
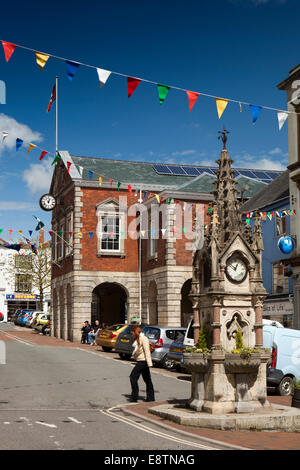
<point>69,238</point>
<point>110,208</point>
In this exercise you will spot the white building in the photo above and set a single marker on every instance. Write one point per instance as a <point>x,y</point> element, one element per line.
<point>16,288</point>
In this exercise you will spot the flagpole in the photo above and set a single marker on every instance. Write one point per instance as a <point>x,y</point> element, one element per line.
<point>56,124</point>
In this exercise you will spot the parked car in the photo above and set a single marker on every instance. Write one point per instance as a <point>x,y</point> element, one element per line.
<point>23,317</point>
<point>43,328</point>
<point>124,342</point>
<point>285,367</point>
<point>40,319</point>
<point>31,318</point>
<point>162,337</point>
<point>107,337</point>
<point>15,316</point>
<point>175,354</point>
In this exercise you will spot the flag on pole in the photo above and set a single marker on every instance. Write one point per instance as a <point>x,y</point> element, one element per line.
<point>132,84</point>
<point>103,76</point>
<point>41,59</point>
<point>192,96</point>
<point>8,49</point>
<point>40,223</point>
<point>281,118</point>
<point>52,98</point>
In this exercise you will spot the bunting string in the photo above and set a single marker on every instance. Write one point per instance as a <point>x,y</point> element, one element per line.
<point>133,82</point>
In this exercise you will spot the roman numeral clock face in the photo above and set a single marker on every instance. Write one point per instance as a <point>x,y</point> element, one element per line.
<point>236,269</point>
<point>47,202</point>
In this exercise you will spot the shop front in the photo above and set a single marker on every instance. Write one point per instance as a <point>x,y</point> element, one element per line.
<point>21,301</point>
<point>279,309</point>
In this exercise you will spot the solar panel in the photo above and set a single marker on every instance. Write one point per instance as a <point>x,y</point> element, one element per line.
<point>192,171</point>
<point>266,181</point>
<point>162,169</point>
<point>247,173</point>
<point>260,174</point>
<point>176,170</point>
<point>273,174</point>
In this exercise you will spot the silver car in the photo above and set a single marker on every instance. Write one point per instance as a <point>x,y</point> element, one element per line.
<point>162,337</point>
<point>32,317</point>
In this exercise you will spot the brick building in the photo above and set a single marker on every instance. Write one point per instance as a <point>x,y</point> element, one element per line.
<point>123,239</point>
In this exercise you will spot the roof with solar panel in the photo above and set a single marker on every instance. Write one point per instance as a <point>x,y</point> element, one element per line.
<point>186,178</point>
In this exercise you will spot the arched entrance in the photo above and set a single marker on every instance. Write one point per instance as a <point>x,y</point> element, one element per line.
<point>186,304</point>
<point>152,303</point>
<point>69,312</point>
<point>109,304</point>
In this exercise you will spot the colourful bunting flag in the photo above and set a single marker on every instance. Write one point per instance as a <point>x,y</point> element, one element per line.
<point>145,192</point>
<point>79,234</point>
<point>111,181</point>
<point>19,143</point>
<point>56,159</point>
<point>130,189</point>
<point>40,223</point>
<point>50,233</point>
<point>30,232</point>
<point>8,49</point>
<point>90,234</point>
<point>31,146</point>
<point>163,90</point>
<point>281,118</point>
<point>41,59</point>
<point>43,154</point>
<point>221,105</point>
<point>90,174</point>
<point>68,166</point>
<point>255,111</point>
<point>157,197</point>
<point>72,68</point>
<point>192,96</point>
<point>103,76</point>
<point>119,184</point>
<point>100,179</point>
<point>4,135</point>
<point>132,84</point>
<point>52,97</point>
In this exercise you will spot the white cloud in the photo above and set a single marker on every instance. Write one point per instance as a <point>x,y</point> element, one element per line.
<point>17,206</point>
<point>183,153</point>
<point>261,164</point>
<point>16,129</point>
<point>38,176</point>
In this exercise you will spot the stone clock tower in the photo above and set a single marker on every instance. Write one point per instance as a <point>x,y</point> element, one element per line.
<point>227,294</point>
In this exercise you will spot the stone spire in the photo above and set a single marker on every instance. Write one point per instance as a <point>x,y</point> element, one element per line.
<point>227,205</point>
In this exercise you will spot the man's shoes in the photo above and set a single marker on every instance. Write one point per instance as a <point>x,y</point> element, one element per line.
<point>132,400</point>
<point>149,399</point>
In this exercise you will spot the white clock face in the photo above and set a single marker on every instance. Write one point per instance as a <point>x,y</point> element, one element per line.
<point>47,202</point>
<point>236,269</point>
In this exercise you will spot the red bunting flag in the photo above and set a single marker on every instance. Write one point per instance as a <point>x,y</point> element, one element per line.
<point>68,166</point>
<point>192,96</point>
<point>43,154</point>
<point>8,49</point>
<point>53,98</point>
<point>50,233</point>
<point>111,181</point>
<point>132,84</point>
<point>130,189</point>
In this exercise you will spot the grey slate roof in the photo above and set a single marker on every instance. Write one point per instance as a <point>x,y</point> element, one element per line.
<point>275,191</point>
<point>133,172</point>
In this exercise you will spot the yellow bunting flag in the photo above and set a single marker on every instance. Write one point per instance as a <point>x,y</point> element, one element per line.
<point>79,234</point>
<point>41,59</point>
<point>31,146</point>
<point>221,105</point>
<point>157,197</point>
<point>100,179</point>
<point>143,232</point>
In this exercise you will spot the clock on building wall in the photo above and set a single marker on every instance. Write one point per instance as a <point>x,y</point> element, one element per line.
<point>47,202</point>
<point>236,269</point>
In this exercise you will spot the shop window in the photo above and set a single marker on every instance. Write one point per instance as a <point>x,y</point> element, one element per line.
<point>23,283</point>
<point>280,281</point>
<point>23,262</point>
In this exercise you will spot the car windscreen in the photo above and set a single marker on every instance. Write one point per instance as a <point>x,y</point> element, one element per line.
<point>114,327</point>
<point>151,333</point>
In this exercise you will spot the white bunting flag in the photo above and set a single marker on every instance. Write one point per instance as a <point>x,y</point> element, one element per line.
<point>80,169</point>
<point>281,118</point>
<point>4,135</point>
<point>103,76</point>
<point>163,231</point>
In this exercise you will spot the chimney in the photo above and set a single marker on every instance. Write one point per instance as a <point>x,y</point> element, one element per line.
<point>42,236</point>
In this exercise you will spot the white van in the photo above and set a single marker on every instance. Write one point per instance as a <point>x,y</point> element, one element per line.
<point>285,367</point>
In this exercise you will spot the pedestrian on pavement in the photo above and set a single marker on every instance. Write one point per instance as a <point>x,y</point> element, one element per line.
<point>93,333</point>
<point>85,332</point>
<point>142,355</point>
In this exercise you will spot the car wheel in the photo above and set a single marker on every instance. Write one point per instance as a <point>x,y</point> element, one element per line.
<point>106,349</point>
<point>285,387</point>
<point>167,363</point>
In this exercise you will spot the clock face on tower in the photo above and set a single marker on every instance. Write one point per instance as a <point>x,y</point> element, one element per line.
<point>47,202</point>
<point>236,269</point>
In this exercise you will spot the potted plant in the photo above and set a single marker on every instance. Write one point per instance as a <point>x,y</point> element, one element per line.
<point>242,360</point>
<point>296,395</point>
<point>196,359</point>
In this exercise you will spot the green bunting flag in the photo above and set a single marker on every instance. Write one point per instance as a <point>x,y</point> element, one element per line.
<point>119,184</point>
<point>56,159</point>
<point>163,90</point>
<point>40,223</point>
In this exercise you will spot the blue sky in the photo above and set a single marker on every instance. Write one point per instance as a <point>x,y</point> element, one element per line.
<point>240,49</point>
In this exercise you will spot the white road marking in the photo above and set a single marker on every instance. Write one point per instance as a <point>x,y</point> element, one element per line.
<point>46,424</point>
<point>6,422</point>
<point>159,434</point>
<point>74,420</point>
